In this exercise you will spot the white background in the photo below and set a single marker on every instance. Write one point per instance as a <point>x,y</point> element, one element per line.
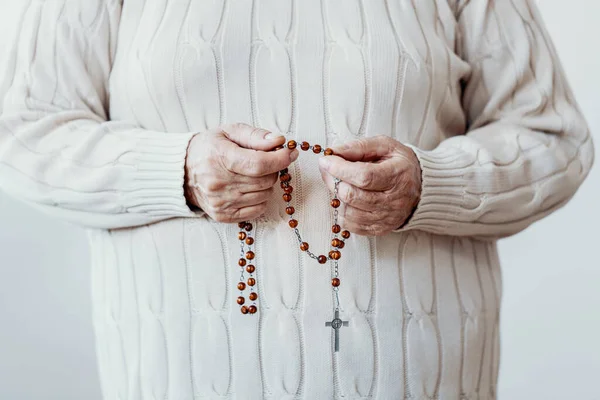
<point>551,304</point>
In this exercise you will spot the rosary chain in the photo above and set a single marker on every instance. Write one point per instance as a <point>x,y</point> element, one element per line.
<point>335,221</point>
<point>337,242</point>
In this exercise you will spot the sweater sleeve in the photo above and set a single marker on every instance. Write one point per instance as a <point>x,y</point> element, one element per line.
<point>527,148</point>
<point>58,149</point>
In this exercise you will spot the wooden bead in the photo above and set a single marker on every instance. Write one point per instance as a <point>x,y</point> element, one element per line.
<point>250,255</point>
<point>252,309</point>
<point>244,310</point>
<point>345,234</point>
<point>305,146</point>
<point>292,144</point>
<point>241,300</point>
<point>336,255</point>
<point>341,245</point>
<point>285,178</point>
<point>287,197</point>
<point>328,152</point>
<point>283,171</point>
<point>250,269</point>
<point>335,203</point>
<point>288,189</point>
<point>241,286</point>
<point>322,259</point>
<point>336,229</point>
<point>336,242</point>
<point>284,185</point>
<point>242,235</point>
<point>335,282</point>
<point>249,241</point>
<point>317,149</point>
<point>304,246</point>
<point>331,254</point>
<point>293,223</point>
<point>248,227</point>
<point>241,262</point>
<point>290,210</point>
<point>241,225</point>
<point>251,281</point>
<point>253,296</point>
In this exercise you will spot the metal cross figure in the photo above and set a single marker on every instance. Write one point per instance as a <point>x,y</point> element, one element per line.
<point>336,324</point>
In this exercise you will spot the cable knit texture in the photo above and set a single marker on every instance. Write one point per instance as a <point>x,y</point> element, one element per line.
<point>102,97</point>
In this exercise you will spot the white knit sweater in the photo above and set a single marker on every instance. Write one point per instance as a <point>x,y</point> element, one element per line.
<point>102,97</point>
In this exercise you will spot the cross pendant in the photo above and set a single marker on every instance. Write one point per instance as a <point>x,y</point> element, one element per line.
<point>336,324</point>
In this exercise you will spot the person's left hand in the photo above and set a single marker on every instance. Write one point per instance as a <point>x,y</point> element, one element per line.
<point>381,183</point>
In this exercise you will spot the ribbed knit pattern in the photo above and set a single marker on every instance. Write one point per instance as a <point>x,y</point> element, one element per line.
<point>102,97</point>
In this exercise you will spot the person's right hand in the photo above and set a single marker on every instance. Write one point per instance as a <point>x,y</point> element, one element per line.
<point>231,171</point>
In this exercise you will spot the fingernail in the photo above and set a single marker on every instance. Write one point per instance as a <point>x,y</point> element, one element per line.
<point>324,162</point>
<point>271,136</point>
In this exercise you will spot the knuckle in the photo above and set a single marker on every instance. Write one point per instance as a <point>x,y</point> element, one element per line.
<point>236,125</point>
<point>218,216</point>
<point>372,229</point>
<point>256,133</point>
<point>228,160</point>
<point>272,180</point>
<point>365,178</point>
<point>347,194</point>
<point>212,185</point>
<point>218,204</point>
<point>237,215</point>
<point>261,209</point>
<point>362,143</point>
<point>264,183</point>
<point>251,167</point>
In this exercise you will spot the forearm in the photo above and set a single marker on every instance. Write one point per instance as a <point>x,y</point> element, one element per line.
<point>498,180</point>
<point>527,147</point>
<point>97,174</point>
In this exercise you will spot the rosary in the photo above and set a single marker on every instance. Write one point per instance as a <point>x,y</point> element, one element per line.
<point>337,243</point>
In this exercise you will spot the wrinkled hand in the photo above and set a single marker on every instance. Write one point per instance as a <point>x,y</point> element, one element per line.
<point>381,183</point>
<point>230,171</point>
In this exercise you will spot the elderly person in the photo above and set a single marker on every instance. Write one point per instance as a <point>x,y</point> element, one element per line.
<point>172,129</point>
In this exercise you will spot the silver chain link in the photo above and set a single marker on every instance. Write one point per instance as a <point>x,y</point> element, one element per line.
<point>336,272</point>
<point>242,255</point>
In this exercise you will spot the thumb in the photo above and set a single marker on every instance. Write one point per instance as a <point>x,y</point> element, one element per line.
<point>366,150</point>
<point>251,137</point>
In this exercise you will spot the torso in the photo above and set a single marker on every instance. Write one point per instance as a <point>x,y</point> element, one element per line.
<point>422,309</point>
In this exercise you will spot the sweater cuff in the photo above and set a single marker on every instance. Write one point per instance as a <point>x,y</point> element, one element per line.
<point>158,180</point>
<point>443,190</point>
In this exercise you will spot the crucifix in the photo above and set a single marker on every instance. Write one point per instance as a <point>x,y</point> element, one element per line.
<point>336,324</point>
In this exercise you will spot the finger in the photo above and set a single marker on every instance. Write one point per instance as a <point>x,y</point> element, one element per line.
<point>248,213</point>
<point>242,214</point>
<point>355,228</point>
<point>364,175</point>
<point>251,137</point>
<point>351,195</point>
<point>257,163</point>
<point>328,179</point>
<point>363,230</point>
<point>247,184</point>
<point>366,149</point>
<point>364,217</point>
<point>365,223</point>
<point>362,199</point>
<point>253,198</point>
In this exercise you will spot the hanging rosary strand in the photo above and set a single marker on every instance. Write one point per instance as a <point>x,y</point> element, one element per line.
<point>246,256</point>
<point>334,255</point>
